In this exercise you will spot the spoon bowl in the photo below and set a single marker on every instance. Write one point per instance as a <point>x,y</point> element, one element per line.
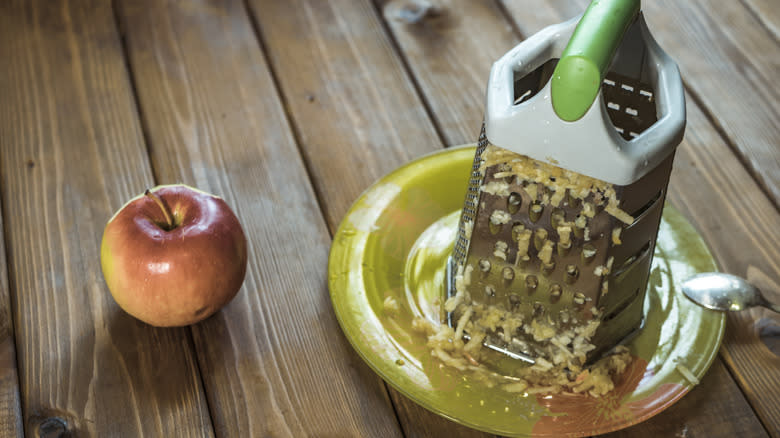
<point>724,292</point>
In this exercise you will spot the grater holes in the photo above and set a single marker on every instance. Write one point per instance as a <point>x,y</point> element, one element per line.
<point>540,237</point>
<point>572,273</point>
<point>514,301</point>
<point>514,201</point>
<point>588,253</point>
<point>517,229</point>
<point>535,211</point>
<point>623,306</point>
<point>639,214</point>
<point>557,217</point>
<point>531,283</point>
<point>630,105</point>
<point>637,256</point>
<point>508,274</point>
<point>555,293</point>
<point>580,299</point>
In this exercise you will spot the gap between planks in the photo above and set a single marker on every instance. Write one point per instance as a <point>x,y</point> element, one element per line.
<point>296,133</point>
<point>410,74</point>
<point>134,91</point>
<point>295,130</point>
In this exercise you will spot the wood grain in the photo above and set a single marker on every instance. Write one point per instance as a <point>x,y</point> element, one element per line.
<point>274,361</point>
<point>72,153</point>
<point>353,107</point>
<point>419,51</point>
<point>450,51</point>
<point>10,402</point>
<point>356,115</point>
<point>542,14</point>
<point>767,13</point>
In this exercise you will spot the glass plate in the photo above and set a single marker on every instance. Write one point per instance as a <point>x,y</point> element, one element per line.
<point>392,246</point>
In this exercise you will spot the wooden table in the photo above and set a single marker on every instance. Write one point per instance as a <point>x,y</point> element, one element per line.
<point>289,109</point>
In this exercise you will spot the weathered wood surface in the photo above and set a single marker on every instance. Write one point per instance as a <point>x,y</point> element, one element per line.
<point>353,106</point>
<point>449,48</point>
<point>274,362</point>
<point>767,13</point>
<point>72,153</point>
<point>10,403</point>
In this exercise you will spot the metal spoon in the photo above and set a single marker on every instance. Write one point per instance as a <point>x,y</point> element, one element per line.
<point>719,291</point>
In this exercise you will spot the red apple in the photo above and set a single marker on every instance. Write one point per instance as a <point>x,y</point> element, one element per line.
<point>173,255</point>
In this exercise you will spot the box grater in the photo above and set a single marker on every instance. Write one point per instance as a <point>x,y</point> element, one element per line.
<point>568,184</point>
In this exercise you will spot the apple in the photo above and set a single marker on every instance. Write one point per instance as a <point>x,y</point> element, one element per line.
<point>173,255</point>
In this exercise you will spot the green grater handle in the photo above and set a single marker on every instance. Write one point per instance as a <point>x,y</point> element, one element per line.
<point>584,62</point>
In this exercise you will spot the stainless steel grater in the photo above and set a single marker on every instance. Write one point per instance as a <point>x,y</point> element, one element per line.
<point>560,219</point>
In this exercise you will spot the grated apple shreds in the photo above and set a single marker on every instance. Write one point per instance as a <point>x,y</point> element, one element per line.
<point>561,369</point>
<point>554,178</point>
<point>567,349</point>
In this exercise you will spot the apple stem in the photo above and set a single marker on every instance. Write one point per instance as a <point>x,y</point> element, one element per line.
<point>161,204</point>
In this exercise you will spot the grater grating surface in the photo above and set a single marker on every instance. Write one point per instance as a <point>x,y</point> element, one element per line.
<point>558,260</point>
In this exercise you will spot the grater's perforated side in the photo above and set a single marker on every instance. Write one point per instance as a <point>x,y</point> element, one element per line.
<point>469,212</point>
<point>561,289</point>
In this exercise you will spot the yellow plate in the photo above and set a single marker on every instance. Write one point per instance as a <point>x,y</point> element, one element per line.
<point>392,246</point>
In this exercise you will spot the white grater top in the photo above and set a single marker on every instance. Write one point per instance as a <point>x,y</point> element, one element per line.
<point>590,145</point>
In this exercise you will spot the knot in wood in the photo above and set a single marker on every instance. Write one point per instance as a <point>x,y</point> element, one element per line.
<point>53,427</point>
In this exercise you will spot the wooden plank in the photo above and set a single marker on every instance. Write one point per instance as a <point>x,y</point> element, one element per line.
<point>450,49</point>
<point>356,115</point>
<point>767,13</point>
<point>419,53</point>
<point>72,153</point>
<point>542,14</point>
<point>273,361</point>
<point>10,403</point>
<point>353,107</point>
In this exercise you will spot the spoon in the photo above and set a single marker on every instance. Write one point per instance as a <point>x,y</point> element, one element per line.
<point>719,291</point>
